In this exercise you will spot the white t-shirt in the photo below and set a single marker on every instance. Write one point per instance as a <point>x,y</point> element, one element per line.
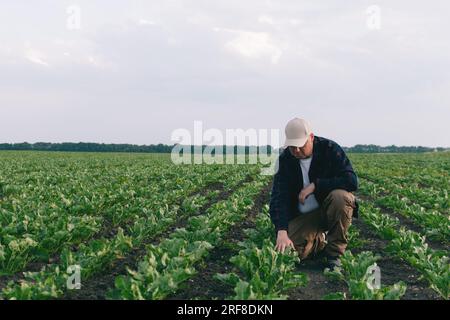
<point>311,201</point>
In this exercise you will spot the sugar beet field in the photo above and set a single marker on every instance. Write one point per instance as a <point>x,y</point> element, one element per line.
<point>136,226</point>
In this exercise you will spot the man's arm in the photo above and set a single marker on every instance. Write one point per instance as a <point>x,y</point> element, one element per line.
<point>344,175</point>
<point>279,198</point>
<point>279,209</point>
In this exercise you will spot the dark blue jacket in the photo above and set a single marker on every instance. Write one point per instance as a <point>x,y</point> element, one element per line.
<point>330,169</point>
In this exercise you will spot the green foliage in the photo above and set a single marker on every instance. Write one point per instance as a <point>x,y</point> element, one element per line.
<point>261,271</point>
<point>66,209</point>
<point>92,210</point>
<point>167,266</point>
<point>355,271</point>
<point>412,248</point>
<point>265,273</point>
<point>354,239</point>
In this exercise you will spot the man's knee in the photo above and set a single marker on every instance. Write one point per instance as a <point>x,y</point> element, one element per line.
<point>340,202</point>
<point>305,232</point>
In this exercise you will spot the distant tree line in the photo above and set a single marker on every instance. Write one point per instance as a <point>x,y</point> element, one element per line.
<point>101,147</point>
<point>164,148</point>
<point>85,147</point>
<point>371,148</point>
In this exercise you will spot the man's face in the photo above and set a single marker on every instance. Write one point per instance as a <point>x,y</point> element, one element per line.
<point>303,152</point>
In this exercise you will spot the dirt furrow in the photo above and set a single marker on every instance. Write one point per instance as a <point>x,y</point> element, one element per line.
<point>318,284</point>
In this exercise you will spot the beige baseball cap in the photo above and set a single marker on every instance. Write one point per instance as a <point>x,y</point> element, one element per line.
<point>297,133</point>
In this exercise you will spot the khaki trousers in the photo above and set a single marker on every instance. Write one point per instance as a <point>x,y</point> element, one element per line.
<point>334,217</point>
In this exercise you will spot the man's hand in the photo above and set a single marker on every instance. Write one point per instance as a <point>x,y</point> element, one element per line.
<point>306,192</point>
<point>283,241</point>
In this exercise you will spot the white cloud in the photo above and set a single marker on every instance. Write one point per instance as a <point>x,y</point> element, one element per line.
<point>145,22</point>
<point>253,45</point>
<point>36,57</point>
<point>266,19</point>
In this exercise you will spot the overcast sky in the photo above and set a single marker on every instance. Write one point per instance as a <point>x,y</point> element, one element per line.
<point>134,71</point>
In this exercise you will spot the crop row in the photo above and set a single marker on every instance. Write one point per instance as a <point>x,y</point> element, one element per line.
<point>153,218</point>
<point>435,224</point>
<point>169,264</point>
<point>35,234</point>
<point>260,271</point>
<point>411,247</point>
<point>424,170</point>
<point>431,198</point>
<point>359,272</point>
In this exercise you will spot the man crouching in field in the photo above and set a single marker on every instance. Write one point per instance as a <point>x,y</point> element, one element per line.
<point>311,203</point>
